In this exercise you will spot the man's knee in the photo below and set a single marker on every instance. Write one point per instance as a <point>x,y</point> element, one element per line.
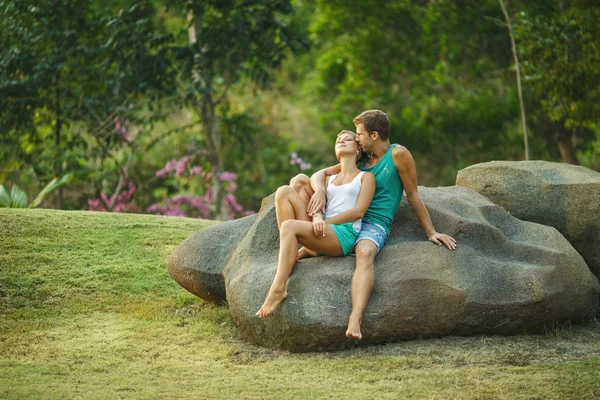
<point>365,252</point>
<point>300,182</point>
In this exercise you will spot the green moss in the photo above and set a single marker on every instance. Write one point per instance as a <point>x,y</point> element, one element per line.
<point>88,310</point>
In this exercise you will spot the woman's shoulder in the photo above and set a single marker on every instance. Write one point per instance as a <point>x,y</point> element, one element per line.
<point>367,176</point>
<point>330,178</point>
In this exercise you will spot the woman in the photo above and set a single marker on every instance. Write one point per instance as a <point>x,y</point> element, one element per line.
<point>349,194</point>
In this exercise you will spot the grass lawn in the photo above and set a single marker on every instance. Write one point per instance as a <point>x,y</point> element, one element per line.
<point>88,310</point>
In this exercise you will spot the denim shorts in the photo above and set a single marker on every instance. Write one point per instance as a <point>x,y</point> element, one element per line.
<point>373,232</point>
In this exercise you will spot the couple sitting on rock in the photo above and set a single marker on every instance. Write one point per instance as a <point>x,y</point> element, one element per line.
<point>359,196</point>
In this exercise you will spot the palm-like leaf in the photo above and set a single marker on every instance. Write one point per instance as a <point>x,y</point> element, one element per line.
<point>54,184</point>
<point>18,198</point>
<point>4,197</point>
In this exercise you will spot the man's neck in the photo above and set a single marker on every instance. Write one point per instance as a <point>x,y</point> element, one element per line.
<point>380,150</point>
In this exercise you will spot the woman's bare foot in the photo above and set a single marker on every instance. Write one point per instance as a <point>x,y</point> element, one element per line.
<point>303,253</point>
<point>274,298</point>
<point>353,331</point>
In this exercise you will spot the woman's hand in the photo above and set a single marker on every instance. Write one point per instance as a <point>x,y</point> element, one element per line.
<point>319,225</point>
<point>317,203</point>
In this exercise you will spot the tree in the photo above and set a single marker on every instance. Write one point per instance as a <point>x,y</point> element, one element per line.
<point>68,64</point>
<point>439,69</point>
<point>561,61</point>
<point>229,41</point>
<point>518,73</point>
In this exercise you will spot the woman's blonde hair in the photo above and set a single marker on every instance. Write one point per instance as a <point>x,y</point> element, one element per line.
<point>360,154</point>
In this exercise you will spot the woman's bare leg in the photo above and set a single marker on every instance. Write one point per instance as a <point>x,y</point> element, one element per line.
<point>289,205</point>
<point>301,185</point>
<point>292,232</point>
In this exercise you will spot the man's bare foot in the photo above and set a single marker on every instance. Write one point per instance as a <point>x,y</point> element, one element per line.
<point>353,331</point>
<point>273,300</point>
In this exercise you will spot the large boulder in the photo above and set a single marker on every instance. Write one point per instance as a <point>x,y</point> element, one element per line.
<point>564,196</point>
<point>197,264</point>
<point>507,276</point>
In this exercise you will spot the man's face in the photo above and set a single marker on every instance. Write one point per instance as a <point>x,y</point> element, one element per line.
<point>363,138</point>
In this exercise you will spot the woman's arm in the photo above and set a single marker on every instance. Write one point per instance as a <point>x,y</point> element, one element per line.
<point>362,203</point>
<point>317,182</point>
<point>319,224</point>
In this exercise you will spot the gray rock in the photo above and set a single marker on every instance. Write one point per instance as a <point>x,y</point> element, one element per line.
<point>197,263</point>
<point>564,196</point>
<point>506,277</point>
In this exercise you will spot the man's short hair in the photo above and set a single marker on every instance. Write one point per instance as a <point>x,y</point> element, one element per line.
<point>374,120</point>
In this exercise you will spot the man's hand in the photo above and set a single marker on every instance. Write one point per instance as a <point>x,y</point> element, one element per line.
<point>319,225</point>
<point>316,203</point>
<point>439,238</point>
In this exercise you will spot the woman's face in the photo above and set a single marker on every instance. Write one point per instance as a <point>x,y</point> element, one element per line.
<point>345,144</point>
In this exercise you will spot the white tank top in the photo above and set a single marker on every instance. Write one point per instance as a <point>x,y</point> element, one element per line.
<point>343,197</point>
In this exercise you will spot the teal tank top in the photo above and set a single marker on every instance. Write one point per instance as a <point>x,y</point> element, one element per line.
<point>388,191</point>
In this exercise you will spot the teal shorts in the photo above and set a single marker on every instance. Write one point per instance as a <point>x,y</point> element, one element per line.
<point>346,235</point>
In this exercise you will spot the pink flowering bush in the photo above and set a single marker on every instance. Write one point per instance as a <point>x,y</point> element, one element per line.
<point>190,178</point>
<point>123,202</point>
<point>295,159</point>
<point>121,127</point>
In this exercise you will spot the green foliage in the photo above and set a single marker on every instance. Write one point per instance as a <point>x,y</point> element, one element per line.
<point>18,198</point>
<point>431,67</point>
<point>69,69</point>
<point>111,90</point>
<point>561,62</point>
<point>230,41</point>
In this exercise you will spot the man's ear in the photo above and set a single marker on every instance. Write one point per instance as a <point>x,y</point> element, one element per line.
<point>374,133</point>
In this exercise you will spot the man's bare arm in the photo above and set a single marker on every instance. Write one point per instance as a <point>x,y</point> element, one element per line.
<point>405,165</point>
<point>317,182</point>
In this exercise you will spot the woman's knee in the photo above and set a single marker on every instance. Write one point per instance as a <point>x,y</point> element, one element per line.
<point>299,182</point>
<point>289,227</point>
<point>283,192</point>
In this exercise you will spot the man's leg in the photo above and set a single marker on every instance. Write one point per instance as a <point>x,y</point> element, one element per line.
<point>362,285</point>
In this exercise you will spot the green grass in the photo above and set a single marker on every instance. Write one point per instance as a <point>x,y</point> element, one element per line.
<point>88,310</point>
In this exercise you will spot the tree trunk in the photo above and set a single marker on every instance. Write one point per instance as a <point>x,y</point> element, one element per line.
<point>566,148</point>
<point>202,76</point>
<point>213,136</point>
<point>58,127</point>
<point>518,72</point>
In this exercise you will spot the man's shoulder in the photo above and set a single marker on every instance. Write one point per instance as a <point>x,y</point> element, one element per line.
<point>399,152</point>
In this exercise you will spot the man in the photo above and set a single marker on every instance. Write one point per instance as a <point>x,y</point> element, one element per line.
<point>394,170</point>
